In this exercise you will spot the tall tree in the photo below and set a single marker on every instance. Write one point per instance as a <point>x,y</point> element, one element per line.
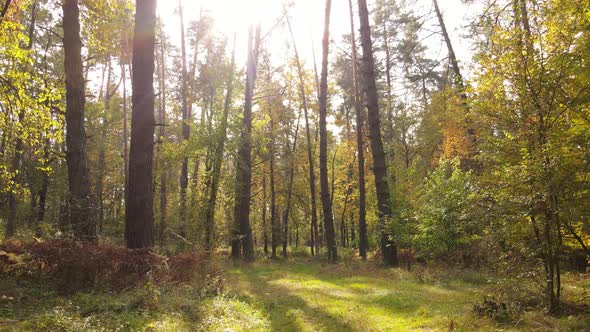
<point>139,216</point>
<point>242,241</point>
<point>185,125</point>
<point>388,246</point>
<point>81,220</point>
<point>323,105</point>
<point>162,139</point>
<point>314,218</point>
<point>219,150</point>
<point>363,237</point>
<point>452,57</point>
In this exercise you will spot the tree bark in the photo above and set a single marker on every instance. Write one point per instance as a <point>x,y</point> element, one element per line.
<point>139,215</point>
<point>241,232</point>
<point>452,57</point>
<point>81,220</point>
<point>290,186</point>
<point>185,127</point>
<point>363,238</point>
<point>264,228</point>
<point>162,134</point>
<point>324,189</point>
<point>274,218</point>
<point>4,9</point>
<point>388,246</point>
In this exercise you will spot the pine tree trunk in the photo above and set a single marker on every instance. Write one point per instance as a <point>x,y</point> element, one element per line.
<point>241,232</point>
<point>101,153</point>
<point>314,219</point>
<point>451,51</point>
<point>264,228</point>
<point>185,127</point>
<point>82,223</point>
<point>139,216</point>
<point>290,185</point>
<point>274,218</point>
<point>388,246</point>
<point>324,189</point>
<point>363,238</point>
<point>162,134</point>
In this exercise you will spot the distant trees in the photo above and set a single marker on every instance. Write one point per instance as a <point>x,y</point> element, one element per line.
<point>139,215</point>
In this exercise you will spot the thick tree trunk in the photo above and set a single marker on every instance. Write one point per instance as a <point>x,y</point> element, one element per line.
<point>325,193</point>
<point>81,220</point>
<point>185,127</point>
<point>218,159</point>
<point>139,212</point>
<point>241,232</point>
<point>363,238</point>
<point>388,246</point>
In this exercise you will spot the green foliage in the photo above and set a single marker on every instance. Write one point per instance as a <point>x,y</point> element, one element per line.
<point>444,215</point>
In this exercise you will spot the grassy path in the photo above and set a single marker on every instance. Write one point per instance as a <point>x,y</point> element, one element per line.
<point>302,295</point>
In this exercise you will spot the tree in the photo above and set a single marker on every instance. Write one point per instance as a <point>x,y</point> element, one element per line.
<point>218,158</point>
<point>323,105</point>
<point>242,241</point>
<point>363,238</point>
<point>314,244</point>
<point>139,217</point>
<point>388,246</point>
<point>81,220</point>
<point>185,125</point>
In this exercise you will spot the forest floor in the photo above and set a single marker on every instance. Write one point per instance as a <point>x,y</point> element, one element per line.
<point>300,294</point>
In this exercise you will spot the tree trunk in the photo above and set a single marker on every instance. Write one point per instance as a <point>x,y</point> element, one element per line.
<point>218,160</point>
<point>452,57</point>
<point>290,185</point>
<point>4,9</point>
<point>242,233</point>
<point>363,238</point>
<point>264,228</point>
<point>274,218</point>
<point>139,212</point>
<point>162,134</point>
<point>185,127</point>
<point>314,220</point>
<point>324,189</point>
<point>101,153</point>
<point>388,246</point>
<point>83,225</point>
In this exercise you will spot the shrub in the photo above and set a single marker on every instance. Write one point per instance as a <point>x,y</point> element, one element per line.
<point>76,266</point>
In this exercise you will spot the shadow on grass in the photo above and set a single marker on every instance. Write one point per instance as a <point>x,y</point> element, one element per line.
<point>286,310</point>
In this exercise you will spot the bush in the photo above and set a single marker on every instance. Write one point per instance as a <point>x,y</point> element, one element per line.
<point>76,266</point>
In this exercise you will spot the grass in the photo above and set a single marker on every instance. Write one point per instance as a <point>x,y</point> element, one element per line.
<point>300,294</point>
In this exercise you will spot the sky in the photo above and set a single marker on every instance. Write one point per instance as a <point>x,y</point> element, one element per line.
<point>307,19</point>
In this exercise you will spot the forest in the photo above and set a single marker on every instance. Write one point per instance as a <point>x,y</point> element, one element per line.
<point>294,165</point>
